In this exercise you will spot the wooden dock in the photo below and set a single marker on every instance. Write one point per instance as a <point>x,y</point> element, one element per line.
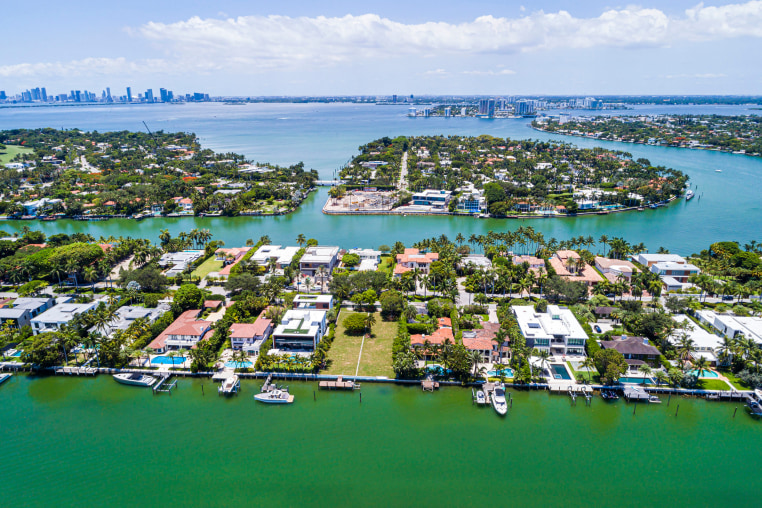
<point>429,385</point>
<point>4,378</point>
<point>76,371</point>
<point>339,384</point>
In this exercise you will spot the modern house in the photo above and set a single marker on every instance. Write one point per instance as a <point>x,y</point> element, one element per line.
<point>648,260</point>
<point>22,310</point>
<point>316,257</point>
<point>674,274</point>
<point>250,336</point>
<point>556,331</point>
<point>52,319</point>
<point>369,259</point>
<point>412,259</point>
<point>179,261</point>
<point>705,343</point>
<point>300,330</point>
<point>613,268</point>
<point>313,302</point>
<point>636,351</point>
<point>127,315</point>
<point>282,255</point>
<point>184,333</point>
<point>434,198</point>
<point>733,326</point>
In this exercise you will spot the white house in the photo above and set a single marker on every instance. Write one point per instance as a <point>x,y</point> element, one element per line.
<point>52,319</point>
<point>282,255</point>
<point>127,315</point>
<point>733,326</point>
<point>316,257</point>
<point>21,312</point>
<point>300,330</point>
<point>250,336</point>
<point>704,342</point>
<point>647,260</point>
<point>556,330</point>
<point>316,302</point>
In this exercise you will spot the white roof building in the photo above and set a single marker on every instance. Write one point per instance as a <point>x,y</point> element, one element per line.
<point>650,259</point>
<point>300,330</point>
<point>316,257</point>
<point>733,326</point>
<point>52,319</point>
<point>282,255</point>
<point>556,330</point>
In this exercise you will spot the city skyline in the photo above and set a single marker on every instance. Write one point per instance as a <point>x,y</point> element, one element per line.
<point>485,47</point>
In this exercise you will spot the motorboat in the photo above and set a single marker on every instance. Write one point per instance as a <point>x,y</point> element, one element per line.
<point>718,171</point>
<point>689,195</point>
<point>609,395</point>
<point>481,398</point>
<point>275,397</point>
<point>498,399</point>
<point>135,379</point>
<point>4,378</point>
<point>653,399</point>
<point>229,386</point>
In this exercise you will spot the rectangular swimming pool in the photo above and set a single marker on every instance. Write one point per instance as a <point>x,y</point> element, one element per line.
<point>559,371</point>
<point>635,380</point>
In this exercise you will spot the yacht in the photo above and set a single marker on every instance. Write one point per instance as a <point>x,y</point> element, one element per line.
<point>229,386</point>
<point>689,195</point>
<point>4,378</point>
<point>498,399</point>
<point>135,379</point>
<point>275,397</point>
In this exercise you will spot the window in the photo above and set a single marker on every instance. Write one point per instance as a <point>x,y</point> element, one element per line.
<point>576,342</point>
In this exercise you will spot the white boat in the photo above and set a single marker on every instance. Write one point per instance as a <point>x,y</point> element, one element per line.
<point>135,379</point>
<point>481,399</point>
<point>653,399</point>
<point>229,386</point>
<point>718,171</point>
<point>498,399</point>
<point>689,195</point>
<point>4,378</point>
<point>275,397</point>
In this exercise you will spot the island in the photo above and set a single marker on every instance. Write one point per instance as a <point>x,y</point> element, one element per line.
<point>49,174</point>
<point>735,134</point>
<point>489,176</point>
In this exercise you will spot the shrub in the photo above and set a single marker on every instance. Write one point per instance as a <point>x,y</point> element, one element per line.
<point>355,323</point>
<point>151,300</point>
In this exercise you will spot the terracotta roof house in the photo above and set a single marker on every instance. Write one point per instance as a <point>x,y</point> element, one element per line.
<point>576,270</point>
<point>411,259</point>
<point>230,257</point>
<point>250,336</point>
<point>613,268</point>
<point>481,340</point>
<point>184,333</point>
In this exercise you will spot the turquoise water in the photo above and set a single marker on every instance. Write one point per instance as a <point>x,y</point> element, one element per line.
<point>16,354</point>
<point>506,373</point>
<point>559,371</point>
<point>166,360</point>
<point>238,365</point>
<point>325,136</point>
<point>704,373</point>
<point>91,442</point>
<point>635,380</point>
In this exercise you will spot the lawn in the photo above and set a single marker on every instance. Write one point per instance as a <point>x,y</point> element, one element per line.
<point>10,152</point>
<point>208,266</point>
<point>386,264</point>
<point>713,384</point>
<point>734,380</point>
<point>596,378</point>
<point>376,352</point>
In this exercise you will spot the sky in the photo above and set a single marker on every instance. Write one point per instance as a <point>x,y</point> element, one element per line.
<point>304,47</point>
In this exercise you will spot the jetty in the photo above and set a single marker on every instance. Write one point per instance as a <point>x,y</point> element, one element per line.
<point>636,394</point>
<point>429,385</point>
<point>76,371</point>
<point>163,385</point>
<point>4,378</point>
<point>339,384</point>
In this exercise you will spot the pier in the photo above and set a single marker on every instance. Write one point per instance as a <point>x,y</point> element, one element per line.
<point>163,385</point>
<point>76,371</point>
<point>339,384</point>
<point>4,378</point>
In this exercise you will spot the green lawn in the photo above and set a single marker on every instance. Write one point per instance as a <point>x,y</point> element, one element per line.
<point>386,264</point>
<point>376,352</point>
<point>713,384</point>
<point>596,378</point>
<point>10,152</point>
<point>734,380</point>
<point>210,265</point>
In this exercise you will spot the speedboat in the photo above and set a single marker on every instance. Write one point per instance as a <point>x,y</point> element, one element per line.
<point>498,399</point>
<point>6,377</point>
<point>229,386</point>
<point>275,397</point>
<point>689,195</point>
<point>609,395</point>
<point>718,171</point>
<point>653,399</point>
<point>480,397</point>
<point>755,409</point>
<point>135,379</point>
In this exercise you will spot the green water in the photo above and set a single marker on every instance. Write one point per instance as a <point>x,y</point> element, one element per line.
<point>92,442</point>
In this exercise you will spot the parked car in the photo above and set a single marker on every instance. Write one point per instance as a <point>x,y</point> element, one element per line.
<point>597,329</point>
<point>727,298</point>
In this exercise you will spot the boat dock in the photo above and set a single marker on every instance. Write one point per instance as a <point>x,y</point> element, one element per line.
<point>635,393</point>
<point>230,386</point>
<point>268,386</point>
<point>339,384</point>
<point>4,378</point>
<point>163,385</point>
<point>429,385</point>
<point>76,371</point>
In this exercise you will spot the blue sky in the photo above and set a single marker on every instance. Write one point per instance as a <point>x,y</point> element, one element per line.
<point>231,47</point>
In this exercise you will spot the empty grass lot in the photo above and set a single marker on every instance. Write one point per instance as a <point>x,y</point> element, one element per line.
<point>9,152</point>
<point>208,266</point>
<point>376,353</point>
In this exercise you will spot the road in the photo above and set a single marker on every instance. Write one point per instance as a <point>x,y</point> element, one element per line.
<point>402,185</point>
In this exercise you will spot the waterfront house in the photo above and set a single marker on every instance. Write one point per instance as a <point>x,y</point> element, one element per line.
<point>22,310</point>
<point>441,334</point>
<point>184,333</point>
<point>313,302</point>
<point>636,351</point>
<point>412,259</point>
<point>556,331</point>
<point>569,265</point>
<point>230,258</point>
<point>127,315</point>
<point>704,342</point>
<point>250,336</point>
<point>672,273</point>
<point>648,260</point>
<point>179,261</point>
<point>52,319</point>
<point>283,256</point>
<point>613,268</point>
<point>369,259</point>
<point>480,340</point>
<point>733,326</point>
<point>438,199</point>
<point>317,257</point>
<point>535,264</point>
<point>300,330</point>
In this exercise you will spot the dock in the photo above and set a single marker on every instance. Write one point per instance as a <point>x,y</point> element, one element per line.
<point>4,378</point>
<point>429,385</point>
<point>76,371</point>
<point>339,384</point>
<point>635,393</point>
<point>163,385</point>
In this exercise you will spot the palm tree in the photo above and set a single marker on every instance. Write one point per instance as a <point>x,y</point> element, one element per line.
<point>727,348</point>
<point>646,370</point>
<point>604,240</point>
<point>589,364</point>
<point>370,320</point>
<point>543,355</point>
<point>475,357</point>
<point>700,365</point>
<point>90,275</point>
<point>661,377</point>
<point>301,240</point>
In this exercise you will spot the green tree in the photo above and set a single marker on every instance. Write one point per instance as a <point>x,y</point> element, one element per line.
<point>187,297</point>
<point>610,364</point>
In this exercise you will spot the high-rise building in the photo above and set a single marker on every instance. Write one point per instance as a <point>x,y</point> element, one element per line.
<point>487,107</point>
<point>108,95</point>
<point>44,94</point>
<point>163,94</point>
<point>448,112</point>
<point>129,94</point>
<point>394,98</point>
<point>2,95</point>
<point>77,96</point>
<point>524,107</point>
<point>149,95</point>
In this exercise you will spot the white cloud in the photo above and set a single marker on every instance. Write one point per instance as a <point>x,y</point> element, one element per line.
<point>501,72</point>
<point>91,66</point>
<point>708,75</point>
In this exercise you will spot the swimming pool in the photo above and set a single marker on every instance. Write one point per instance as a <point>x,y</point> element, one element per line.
<point>635,380</point>
<point>166,360</point>
<point>238,365</point>
<point>559,371</point>
<point>704,373</point>
<point>16,354</point>
<point>506,373</point>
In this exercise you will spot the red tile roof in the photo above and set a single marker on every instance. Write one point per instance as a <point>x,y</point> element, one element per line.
<point>248,330</point>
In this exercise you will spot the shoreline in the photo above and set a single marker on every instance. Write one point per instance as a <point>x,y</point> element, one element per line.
<point>658,145</point>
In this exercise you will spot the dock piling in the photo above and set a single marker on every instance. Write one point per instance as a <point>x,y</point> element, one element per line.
<point>360,397</point>
<point>734,411</point>
<point>202,389</point>
<point>678,409</point>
